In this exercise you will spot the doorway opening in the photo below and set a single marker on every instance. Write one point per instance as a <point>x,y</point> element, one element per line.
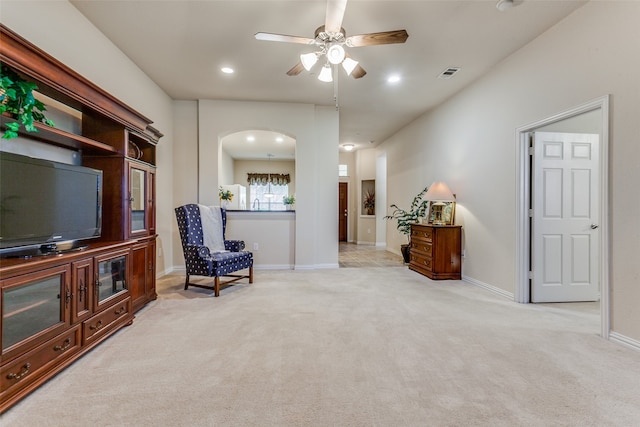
<point>343,211</point>
<point>578,118</point>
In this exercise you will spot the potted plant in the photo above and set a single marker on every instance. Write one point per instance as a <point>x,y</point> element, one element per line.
<point>225,196</point>
<point>17,100</point>
<point>369,202</point>
<point>404,219</point>
<point>288,201</point>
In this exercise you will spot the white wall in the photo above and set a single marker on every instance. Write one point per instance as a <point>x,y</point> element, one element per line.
<point>62,31</point>
<point>365,170</point>
<point>185,157</point>
<point>316,132</point>
<point>469,142</point>
<point>227,172</point>
<point>272,233</point>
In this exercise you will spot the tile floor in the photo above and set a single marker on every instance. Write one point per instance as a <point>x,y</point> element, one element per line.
<point>354,256</point>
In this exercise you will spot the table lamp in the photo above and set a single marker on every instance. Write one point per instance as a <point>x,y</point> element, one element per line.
<point>439,193</point>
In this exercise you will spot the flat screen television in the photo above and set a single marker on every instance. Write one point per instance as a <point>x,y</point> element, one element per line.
<point>47,206</point>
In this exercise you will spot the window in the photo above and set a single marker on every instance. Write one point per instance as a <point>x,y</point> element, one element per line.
<point>342,170</point>
<point>259,202</point>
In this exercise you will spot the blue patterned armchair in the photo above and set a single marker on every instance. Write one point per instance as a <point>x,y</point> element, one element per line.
<point>199,261</point>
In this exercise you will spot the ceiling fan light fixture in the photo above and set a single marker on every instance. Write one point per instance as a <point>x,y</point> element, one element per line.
<point>504,5</point>
<point>325,74</point>
<point>349,65</point>
<point>335,54</point>
<point>308,60</point>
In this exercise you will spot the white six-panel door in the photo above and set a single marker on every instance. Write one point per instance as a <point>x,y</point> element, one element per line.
<point>565,235</point>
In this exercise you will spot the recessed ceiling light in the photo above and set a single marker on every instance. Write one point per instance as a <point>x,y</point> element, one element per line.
<point>348,147</point>
<point>279,139</point>
<point>251,138</point>
<point>227,70</point>
<point>394,78</point>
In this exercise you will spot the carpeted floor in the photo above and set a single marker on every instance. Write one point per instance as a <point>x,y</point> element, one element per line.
<point>345,347</point>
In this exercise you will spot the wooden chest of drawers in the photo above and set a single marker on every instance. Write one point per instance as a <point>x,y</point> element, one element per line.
<point>436,251</point>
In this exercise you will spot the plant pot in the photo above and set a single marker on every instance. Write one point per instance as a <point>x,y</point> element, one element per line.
<point>406,255</point>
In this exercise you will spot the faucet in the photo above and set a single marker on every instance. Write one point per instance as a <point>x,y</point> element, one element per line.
<point>256,201</point>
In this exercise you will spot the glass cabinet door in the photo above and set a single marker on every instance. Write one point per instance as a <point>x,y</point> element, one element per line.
<point>112,276</point>
<point>34,304</point>
<point>138,200</point>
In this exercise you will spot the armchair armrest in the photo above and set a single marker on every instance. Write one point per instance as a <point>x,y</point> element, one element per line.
<point>234,245</point>
<point>197,251</point>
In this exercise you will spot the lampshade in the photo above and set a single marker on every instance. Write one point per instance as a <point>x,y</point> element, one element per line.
<point>308,60</point>
<point>335,54</point>
<point>325,74</point>
<point>349,65</point>
<point>439,192</point>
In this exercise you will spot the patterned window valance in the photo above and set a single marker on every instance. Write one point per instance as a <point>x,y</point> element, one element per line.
<point>265,178</point>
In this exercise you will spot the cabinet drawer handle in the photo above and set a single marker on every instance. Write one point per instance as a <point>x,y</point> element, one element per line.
<point>68,296</point>
<point>65,345</point>
<point>120,311</point>
<point>81,289</point>
<point>97,326</point>
<point>24,371</point>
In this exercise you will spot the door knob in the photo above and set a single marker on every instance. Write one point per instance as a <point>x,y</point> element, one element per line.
<point>594,226</point>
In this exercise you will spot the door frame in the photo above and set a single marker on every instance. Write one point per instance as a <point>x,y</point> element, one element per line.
<point>523,227</point>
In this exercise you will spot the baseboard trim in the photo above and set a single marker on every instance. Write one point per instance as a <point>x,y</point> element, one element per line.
<point>624,340</point>
<point>490,288</point>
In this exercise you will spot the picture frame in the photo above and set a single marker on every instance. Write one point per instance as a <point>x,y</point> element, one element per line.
<point>448,213</point>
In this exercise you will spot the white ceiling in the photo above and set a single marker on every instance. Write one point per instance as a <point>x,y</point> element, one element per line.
<point>182,45</point>
<point>259,145</point>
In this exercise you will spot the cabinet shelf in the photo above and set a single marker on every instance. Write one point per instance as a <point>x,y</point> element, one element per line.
<point>61,138</point>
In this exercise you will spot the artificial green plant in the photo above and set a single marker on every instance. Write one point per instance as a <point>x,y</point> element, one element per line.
<point>16,98</point>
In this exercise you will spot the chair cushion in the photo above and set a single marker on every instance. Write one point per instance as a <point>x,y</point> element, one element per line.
<point>228,262</point>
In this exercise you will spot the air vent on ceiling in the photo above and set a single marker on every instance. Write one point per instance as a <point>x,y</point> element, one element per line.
<point>448,73</point>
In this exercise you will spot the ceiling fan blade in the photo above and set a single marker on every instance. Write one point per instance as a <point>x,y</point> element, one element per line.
<point>335,13</point>
<point>296,69</point>
<point>386,37</point>
<point>358,72</point>
<point>271,37</point>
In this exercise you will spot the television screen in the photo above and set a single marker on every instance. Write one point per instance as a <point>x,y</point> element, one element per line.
<point>44,202</point>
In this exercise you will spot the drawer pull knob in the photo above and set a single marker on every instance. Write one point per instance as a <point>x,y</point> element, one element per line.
<point>120,311</point>
<point>65,345</point>
<point>23,372</point>
<point>97,326</point>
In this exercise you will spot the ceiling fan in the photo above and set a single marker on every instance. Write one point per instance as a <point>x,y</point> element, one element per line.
<point>330,39</point>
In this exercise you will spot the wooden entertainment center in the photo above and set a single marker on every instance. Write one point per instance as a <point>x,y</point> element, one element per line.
<point>57,307</point>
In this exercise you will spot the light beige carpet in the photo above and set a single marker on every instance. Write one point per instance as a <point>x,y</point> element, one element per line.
<point>345,347</point>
